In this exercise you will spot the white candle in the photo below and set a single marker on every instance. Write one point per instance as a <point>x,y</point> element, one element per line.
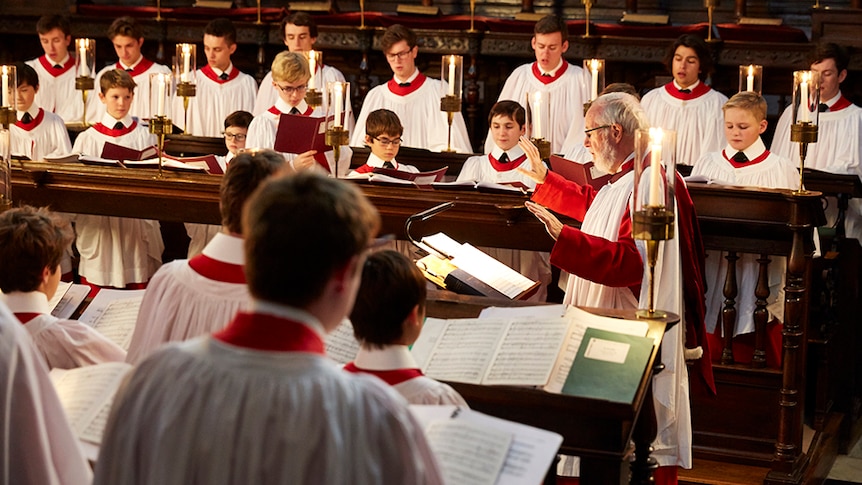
<point>749,80</point>
<point>5,87</point>
<point>82,55</point>
<point>655,198</point>
<point>594,71</point>
<point>339,101</point>
<point>186,63</point>
<point>161,90</point>
<point>312,66</point>
<point>537,115</point>
<point>803,98</point>
<point>451,75</point>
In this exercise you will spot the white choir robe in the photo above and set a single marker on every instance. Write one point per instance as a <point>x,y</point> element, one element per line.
<point>141,103</point>
<point>39,447</point>
<point>214,100</point>
<point>267,94</point>
<point>201,234</point>
<point>116,251</point>
<point>418,108</point>
<point>532,264</point>
<point>568,89</point>
<point>395,365</point>
<point>64,344</point>
<point>696,117</point>
<point>766,170</point>
<point>838,150</point>
<point>181,303</point>
<point>264,128</point>
<point>57,93</point>
<point>274,410</point>
<point>45,136</point>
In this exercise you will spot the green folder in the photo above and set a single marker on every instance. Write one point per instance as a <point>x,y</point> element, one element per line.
<point>608,366</point>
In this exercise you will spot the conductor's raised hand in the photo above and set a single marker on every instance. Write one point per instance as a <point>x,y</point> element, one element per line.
<point>537,171</point>
<point>552,224</point>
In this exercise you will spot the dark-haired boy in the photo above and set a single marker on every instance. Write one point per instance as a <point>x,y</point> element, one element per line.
<point>56,70</point>
<point>37,133</point>
<point>383,133</point>
<point>387,318</point>
<point>32,243</point>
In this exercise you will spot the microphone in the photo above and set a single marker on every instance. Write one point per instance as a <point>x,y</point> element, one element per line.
<point>424,216</point>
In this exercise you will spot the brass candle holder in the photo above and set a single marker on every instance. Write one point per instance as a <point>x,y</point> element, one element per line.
<point>8,116</point>
<point>452,72</point>
<point>185,66</point>
<point>337,110</point>
<point>336,136</point>
<point>710,8</point>
<point>161,86</point>
<point>451,105</point>
<point>806,114</point>
<point>588,6</point>
<point>161,126</point>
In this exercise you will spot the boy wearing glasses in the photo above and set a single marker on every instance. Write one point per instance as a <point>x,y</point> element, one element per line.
<point>290,74</point>
<point>383,132</point>
<point>414,97</point>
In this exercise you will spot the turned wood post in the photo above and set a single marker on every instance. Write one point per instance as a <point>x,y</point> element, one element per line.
<point>728,313</point>
<point>761,314</point>
<point>739,8</point>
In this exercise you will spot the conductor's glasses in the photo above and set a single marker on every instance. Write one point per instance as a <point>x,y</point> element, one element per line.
<point>587,132</point>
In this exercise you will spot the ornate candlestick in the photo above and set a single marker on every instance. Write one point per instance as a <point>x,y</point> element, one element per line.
<point>806,114</point>
<point>596,68</point>
<point>653,216</point>
<point>185,66</point>
<point>337,107</point>
<point>472,16</point>
<point>588,5</point>
<point>710,7</point>
<point>751,78</point>
<point>314,93</point>
<point>85,69</point>
<point>8,116</point>
<point>539,121</point>
<point>452,71</point>
<point>160,96</point>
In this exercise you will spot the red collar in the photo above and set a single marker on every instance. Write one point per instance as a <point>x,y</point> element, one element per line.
<point>112,132</point>
<point>208,72</point>
<point>364,169</point>
<point>695,93</point>
<point>272,109</point>
<point>549,79</point>
<point>508,166</point>
<point>32,124</point>
<point>49,66</point>
<point>216,270</point>
<point>840,104</point>
<point>405,90</point>
<point>391,377</point>
<point>139,69</point>
<point>736,164</point>
<point>259,331</point>
<point>24,317</point>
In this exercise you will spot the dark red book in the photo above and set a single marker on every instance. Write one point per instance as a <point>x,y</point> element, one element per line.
<point>580,173</point>
<point>299,134</point>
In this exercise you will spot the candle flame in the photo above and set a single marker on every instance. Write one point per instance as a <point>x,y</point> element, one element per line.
<point>594,65</point>
<point>751,70</point>
<point>655,136</point>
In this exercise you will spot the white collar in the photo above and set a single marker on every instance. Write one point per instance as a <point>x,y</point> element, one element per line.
<point>27,302</point>
<point>33,110</point>
<point>753,151</point>
<point>289,313</point>
<point>409,79</point>
<point>282,106</point>
<point>377,162</point>
<point>226,248</point>
<point>830,102</point>
<point>61,62</point>
<point>109,121</point>
<point>133,65</point>
<point>514,152</point>
<point>552,72</point>
<point>676,85</point>
<point>228,157</point>
<point>392,357</point>
<point>219,72</point>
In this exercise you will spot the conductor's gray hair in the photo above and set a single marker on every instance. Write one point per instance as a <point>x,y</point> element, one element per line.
<point>621,108</point>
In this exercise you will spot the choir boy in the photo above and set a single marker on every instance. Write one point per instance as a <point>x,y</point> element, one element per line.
<point>39,445</point>
<point>686,104</point>
<point>128,38</point>
<point>566,83</point>
<point>37,133</point>
<point>501,165</point>
<point>221,87</point>
<point>115,251</point>
<point>383,133</point>
<point>32,242</point>
<point>56,70</point>
<point>259,401</point>
<point>839,139</point>
<point>745,161</point>
<point>290,76</point>
<point>414,97</point>
<point>299,33</point>
<point>197,296</point>
<point>387,318</point>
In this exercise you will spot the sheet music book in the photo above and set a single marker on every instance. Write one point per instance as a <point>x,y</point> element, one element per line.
<point>113,313</point>
<point>518,349</point>
<point>514,187</point>
<point>66,158</point>
<point>205,164</point>
<point>419,178</point>
<point>341,344</point>
<point>580,173</point>
<point>299,134</point>
<point>86,394</point>
<point>112,151</point>
<point>67,299</point>
<point>475,448</point>
<point>480,273</point>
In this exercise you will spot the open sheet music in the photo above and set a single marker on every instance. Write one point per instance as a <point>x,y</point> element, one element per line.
<point>67,299</point>
<point>113,313</point>
<point>341,344</point>
<point>475,448</point>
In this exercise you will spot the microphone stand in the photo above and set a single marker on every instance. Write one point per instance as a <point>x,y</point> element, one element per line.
<point>424,216</point>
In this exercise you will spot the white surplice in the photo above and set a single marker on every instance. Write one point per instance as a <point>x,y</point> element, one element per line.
<point>214,101</point>
<point>57,93</point>
<point>45,136</point>
<point>698,122</point>
<point>65,344</point>
<point>267,95</point>
<point>116,251</point>
<point>140,73</point>
<point>221,414</point>
<point>38,445</point>
<point>425,126</point>
<point>181,304</point>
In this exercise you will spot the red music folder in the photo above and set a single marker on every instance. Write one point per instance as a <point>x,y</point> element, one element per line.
<point>299,134</point>
<point>580,173</point>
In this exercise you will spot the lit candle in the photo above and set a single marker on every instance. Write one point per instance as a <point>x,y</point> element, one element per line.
<point>594,71</point>
<point>451,75</point>
<point>82,55</point>
<point>537,115</point>
<point>186,63</point>
<point>655,198</point>
<point>339,101</point>
<point>803,98</point>
<point>749,80</point>
<point>312,66</point>
<point>5,87</point>
<point>161,90</point>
